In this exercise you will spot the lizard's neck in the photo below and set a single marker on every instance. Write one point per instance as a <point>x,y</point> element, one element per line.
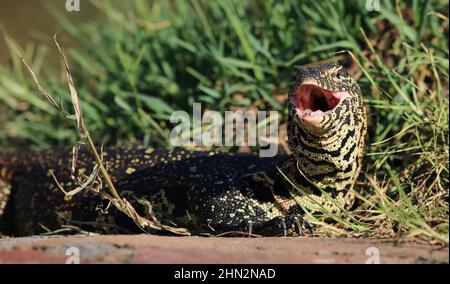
<point>328,158</point>
<point>298,193</point>
<point>326,161</point>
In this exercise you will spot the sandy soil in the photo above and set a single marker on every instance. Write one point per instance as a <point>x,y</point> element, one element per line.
<point>158,249</point>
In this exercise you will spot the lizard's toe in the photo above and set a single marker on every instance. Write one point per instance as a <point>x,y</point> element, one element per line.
<point>309,227</point>
<point>299,224</point>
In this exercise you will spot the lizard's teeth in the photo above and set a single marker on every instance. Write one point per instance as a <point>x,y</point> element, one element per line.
<point>308,112</point>
<point>303,113</point>
<point>317,113</point>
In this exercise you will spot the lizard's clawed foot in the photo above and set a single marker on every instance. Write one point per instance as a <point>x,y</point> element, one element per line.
<point>280,226</point>
<point>309,227</point>
<point>300,223</point>
<point>284,227</point>
<point>250,228</point>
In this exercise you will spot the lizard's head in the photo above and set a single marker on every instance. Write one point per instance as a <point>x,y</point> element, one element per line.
<point>326,126</point>
<point>318,92</point>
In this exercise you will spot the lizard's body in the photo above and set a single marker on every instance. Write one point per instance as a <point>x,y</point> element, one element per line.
<point>180,185</point>
<point>206,191</point>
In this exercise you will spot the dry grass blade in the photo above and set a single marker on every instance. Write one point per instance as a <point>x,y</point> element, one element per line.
<point>36,81</point>
<point>73,91</point>
<point>75,150</point>
<point>88,183</point>
<point>124,206</point>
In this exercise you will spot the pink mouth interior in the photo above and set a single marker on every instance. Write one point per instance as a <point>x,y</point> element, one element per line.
<point>312,100</point>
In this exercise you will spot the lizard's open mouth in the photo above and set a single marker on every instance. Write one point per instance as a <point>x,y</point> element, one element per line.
<point>312,100</point>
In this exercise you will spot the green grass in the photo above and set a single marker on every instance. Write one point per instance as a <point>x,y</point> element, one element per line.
<point>138,63</point>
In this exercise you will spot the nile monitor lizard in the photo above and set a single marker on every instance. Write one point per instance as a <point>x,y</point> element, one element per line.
<point>207,191</point>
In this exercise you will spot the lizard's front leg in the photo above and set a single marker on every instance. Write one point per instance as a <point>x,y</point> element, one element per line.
<point>290,225</point>
<point>227,208</point>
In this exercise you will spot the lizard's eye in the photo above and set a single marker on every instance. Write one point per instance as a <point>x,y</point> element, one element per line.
<point>340,73</point>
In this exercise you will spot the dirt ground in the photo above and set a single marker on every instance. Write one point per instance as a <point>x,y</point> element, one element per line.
<point>159,249</point>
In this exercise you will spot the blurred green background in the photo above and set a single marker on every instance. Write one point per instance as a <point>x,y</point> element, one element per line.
<point>137,61</point>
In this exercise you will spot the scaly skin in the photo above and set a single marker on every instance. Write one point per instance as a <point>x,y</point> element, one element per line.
<point>328,149</point>
<point>205,191</point>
